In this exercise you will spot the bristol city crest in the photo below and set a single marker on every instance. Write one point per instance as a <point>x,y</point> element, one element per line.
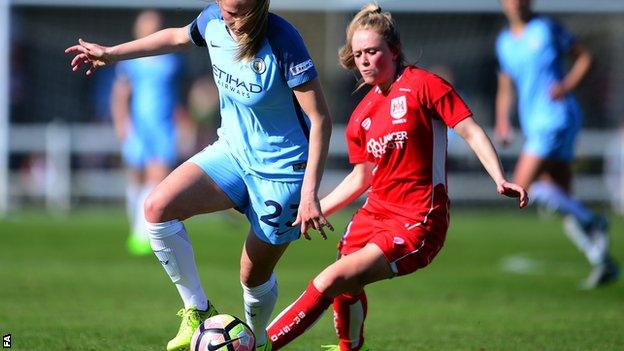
<point>366,124</point>
<point>398,107</point>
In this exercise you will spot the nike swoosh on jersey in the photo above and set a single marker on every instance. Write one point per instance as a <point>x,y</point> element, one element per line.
<point>212,44</point>
<point>213,347</point>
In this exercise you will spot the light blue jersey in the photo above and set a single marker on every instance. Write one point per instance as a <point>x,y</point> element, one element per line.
<point>154,85</point>
<point>262,123</point>
<point>260,157</point>
<point>534,61</point>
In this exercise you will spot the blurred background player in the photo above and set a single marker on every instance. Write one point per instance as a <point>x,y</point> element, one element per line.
<point>268,161</point>
<point>531,53</point>
<point>143,104</point>
<point>396,140</point>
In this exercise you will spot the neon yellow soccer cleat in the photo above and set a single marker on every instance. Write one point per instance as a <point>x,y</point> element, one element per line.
<point>337,348</point>
<point>266,346</point>
<point>138,245</point>
<point>191,318</point>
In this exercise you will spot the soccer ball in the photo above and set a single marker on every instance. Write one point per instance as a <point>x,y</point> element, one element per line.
<point>223,333</point>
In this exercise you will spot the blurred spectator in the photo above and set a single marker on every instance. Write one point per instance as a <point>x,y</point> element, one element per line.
<point>32,171</point>
<point>198,122</point>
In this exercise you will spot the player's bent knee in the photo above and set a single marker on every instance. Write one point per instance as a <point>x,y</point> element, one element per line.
<point>333,283</point>
<point>245,273</point>
<point>324,284</point>
<point>156,209</point>
<point>250,276</point>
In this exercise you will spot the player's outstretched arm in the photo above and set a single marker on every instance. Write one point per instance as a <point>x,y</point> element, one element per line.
<point>93,56</point>
<point>312,100</point>
<point>479,142</point>
<point>351,187</point>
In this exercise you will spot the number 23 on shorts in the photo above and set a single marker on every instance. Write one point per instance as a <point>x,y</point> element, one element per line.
<point>274,218</point>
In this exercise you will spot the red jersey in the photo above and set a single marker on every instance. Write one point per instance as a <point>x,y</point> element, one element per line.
<point>404,133</point>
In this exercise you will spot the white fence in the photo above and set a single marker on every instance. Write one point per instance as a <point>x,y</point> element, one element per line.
<point>60,184</point>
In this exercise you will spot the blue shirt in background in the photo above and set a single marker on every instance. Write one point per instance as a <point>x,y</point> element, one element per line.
<point>534,60</point>
<point>155,83</point>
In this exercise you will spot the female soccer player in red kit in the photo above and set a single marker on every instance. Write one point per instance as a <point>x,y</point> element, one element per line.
<point>397,142</point>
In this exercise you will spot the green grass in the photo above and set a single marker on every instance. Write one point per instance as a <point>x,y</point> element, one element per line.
<point>68,284</point>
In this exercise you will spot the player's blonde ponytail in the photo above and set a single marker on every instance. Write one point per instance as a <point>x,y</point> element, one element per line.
<point>253,31</point>
<point>372,17</point>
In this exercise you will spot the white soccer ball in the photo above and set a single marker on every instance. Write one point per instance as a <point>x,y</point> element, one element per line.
<point>223,332</point>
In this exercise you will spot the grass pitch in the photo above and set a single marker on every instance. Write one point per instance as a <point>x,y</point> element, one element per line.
<point>505,280</point>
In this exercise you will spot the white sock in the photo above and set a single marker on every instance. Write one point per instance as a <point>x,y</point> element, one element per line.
<point>594,250</point>
<point>557,200</point>
<point>139,226</point>
<point>173,249</point>
<point>259,303</point>
<point>132,193</point>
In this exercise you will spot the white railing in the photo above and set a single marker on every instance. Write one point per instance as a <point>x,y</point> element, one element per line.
<point>58,142</point>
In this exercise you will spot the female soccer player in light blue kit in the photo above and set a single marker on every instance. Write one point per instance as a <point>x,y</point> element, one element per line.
<point>530,52</point>
<point>267,162</point>
<point>143,105</point>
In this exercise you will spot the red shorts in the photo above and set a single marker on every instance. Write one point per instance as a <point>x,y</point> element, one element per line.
<point>407,247</point>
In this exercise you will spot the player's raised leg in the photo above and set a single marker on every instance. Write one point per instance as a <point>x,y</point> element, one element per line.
<point>187,191</point>
<point>590,236</point>
<point>550,187</point>
<point>350,273</point>
<point>549,183</point>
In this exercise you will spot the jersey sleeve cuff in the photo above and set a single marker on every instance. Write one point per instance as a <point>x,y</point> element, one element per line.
<point>195,35</point>
<point>303,78</point>
<point>461,117</point>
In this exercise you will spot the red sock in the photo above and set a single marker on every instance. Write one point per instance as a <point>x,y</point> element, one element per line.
<point>298,317</point>
<point>349,315</point>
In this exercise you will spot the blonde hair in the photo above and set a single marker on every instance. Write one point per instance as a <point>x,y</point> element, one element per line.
<point>372,17</point>
<point>253,31</point>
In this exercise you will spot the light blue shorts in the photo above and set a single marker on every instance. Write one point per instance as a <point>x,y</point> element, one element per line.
<point>270,206</point>
<point>157,146</point>
<point>553,144</point>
